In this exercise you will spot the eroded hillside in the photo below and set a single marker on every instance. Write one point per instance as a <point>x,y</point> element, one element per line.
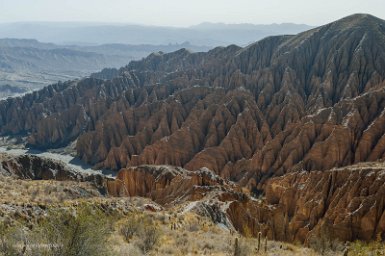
<point>297,121</point>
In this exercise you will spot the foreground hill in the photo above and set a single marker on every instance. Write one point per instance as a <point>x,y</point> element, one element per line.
<point>25,205</point>
<point>319,209</point>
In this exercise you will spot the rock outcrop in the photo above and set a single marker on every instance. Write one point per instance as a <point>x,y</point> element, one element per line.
<point>169,185</point>
<point>344,204</point>
<point>40,168</point>
<point>35,168</point>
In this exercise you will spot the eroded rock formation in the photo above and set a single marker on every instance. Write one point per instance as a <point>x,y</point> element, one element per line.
<point>283,103</point>
<point>40,168</point>
<point>34,168</point>
<point>348,202</point>
<point>169,185</point>
<point>345,204</point>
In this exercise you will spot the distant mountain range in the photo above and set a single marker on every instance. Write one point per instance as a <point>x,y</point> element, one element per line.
<point>27,64</point>
<point>75,50</point>
<point>207,34</point>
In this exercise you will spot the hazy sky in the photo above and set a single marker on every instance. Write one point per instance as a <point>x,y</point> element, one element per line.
<point>187,12</point>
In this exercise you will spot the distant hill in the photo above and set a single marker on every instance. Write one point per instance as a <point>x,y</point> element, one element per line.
<point>73,50</point>
<point>208,34</point>
<point>28,64</point>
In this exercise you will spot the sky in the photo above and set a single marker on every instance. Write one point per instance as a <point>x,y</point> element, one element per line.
<point>182,13</point>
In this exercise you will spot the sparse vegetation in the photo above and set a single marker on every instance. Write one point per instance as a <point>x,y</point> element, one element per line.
<point>130,227</point>
<point>62,232</point>
<point>243,247</point>
<point>82,224</point>
<point>84,232</point>
<point>44,191</point>
<point>149,238</point>
<point>325,242</point>
<point>359,248</point>
<point>13,240</point>
<point>144,228</point>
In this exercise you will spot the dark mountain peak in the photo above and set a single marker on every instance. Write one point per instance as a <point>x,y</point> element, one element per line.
<point>225,51</point>
<point>183,51</point>
<point>350,31</point>
<point>358,21</point>
<point>360,18</point>
<point>180,52</point>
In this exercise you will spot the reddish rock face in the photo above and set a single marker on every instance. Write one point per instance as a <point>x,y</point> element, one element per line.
<point>170,185</point>
<point>346,203</point>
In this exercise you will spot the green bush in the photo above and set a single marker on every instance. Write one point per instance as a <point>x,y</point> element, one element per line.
<point>81,233</point>
<point>359,248</point>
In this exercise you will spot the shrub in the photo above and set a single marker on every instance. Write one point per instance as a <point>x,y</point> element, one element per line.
<point>65,233</point>
<point>130,227</point>
<point>246,231</point>
<point>13,240</point>
<point>144,228</point>
<point>361,248</point>
<point>7,244</point>
<point>149,238</point>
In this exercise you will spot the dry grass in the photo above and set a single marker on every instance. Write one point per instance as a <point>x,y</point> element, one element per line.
<point>375,248</point>
<point>43,191</point>
<point>191,234</point>
<point>178,232</point>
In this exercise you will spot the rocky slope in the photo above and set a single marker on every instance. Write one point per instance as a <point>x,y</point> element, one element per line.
<point>344,204</point>
<point>35,168</point>
<point>25,205</point>
<point>169,185</point>
<point>283,103</point>
<point>29,167</point>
